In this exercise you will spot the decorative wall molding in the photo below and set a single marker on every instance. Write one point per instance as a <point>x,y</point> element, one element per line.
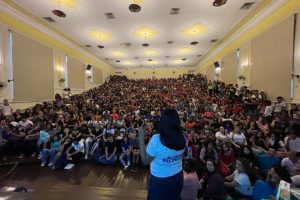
<point>245,28</point>
<point>30,22</point>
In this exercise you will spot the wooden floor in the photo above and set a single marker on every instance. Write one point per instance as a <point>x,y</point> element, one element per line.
<point>86,181</point>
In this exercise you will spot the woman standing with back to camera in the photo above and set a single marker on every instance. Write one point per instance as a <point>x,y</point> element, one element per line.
<point>164,154</point>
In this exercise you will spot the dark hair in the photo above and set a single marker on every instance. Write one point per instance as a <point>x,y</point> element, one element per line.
<point>283,173</point>
<point>215,166</point>
<point>248,170</point>
<point>171,134</point>
<point>189,165</point>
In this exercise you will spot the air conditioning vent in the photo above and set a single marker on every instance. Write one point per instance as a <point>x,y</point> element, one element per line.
<point>126,44</point>
<point>174,11</point>
<point>110,16</point>
<point>49,19</point>
<point>109,59</point>
<point>247,6</point>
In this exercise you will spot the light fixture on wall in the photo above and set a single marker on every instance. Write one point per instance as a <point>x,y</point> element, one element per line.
<point>62,80</point>
<point>2,84</point>
<point>241,77</point>
<point>297,76</point>
<point>218,3</point>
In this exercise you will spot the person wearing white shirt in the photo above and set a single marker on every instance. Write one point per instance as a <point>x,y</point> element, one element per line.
<point>5,108</point>
<point>164,153</point>
<point>221,135</point>
<point>238,138</point>
<point>268,110</point>
<point>238,184</point>
<point>280,105</point>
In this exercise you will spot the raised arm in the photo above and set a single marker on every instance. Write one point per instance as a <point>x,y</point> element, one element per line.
<point>146,158</point>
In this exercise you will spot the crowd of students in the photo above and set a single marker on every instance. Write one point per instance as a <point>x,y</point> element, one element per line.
<point>238,142</point>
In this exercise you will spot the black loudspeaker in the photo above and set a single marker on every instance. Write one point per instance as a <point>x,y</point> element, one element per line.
<point>88,67</point>
<point>216,64</point>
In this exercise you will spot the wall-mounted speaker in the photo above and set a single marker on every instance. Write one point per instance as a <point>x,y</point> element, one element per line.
<point>88,67</point>
<point>217,64</point>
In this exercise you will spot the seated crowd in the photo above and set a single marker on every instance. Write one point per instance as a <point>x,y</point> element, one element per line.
<point>238,142</point>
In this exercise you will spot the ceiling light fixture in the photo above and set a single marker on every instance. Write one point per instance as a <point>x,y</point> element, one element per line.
<point>100,46</point>
<point>218,3</point>
<point>59,12</point>
<point>194,34</point>
<point>134,7</point>
<point>146,44</point>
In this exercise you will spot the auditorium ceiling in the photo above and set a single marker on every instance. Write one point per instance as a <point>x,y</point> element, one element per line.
<point>163,34</point>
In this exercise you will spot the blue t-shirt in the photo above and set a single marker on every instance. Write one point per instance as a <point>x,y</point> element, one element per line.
<point>262,190</point>
<point>266,162</point>
<point>167,162</point>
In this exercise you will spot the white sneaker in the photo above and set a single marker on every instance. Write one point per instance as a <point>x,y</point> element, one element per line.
<point>126,168</point>
<point>71,166</point>
<point>43,164</point>
<point>50,164</point>
<point>67,167</point>
<point>128,163</point>
<point>86,157</point>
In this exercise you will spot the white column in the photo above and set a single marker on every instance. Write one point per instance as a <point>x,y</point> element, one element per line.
<point>6,65</point>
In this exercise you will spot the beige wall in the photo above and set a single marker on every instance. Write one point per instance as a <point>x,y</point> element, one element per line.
<point>97,76</point>
<point>90,86</point>
<point>244,68</point>
<point>296,97</point>
<point>76,74</point>
<point>229,68</point>
<point>32,70</point>
<point>210,72</point>
<point>271,55</point>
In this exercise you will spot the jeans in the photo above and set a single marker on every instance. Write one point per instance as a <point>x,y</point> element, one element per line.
<point>48,152</point>
<point>121,158</point>
<point>168,188</point>
<point>102,159</point>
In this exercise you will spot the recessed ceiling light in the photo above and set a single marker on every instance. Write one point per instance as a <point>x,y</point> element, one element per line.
<point>87,45</point>
<point>145,45</point>
<point>100,46</point>
<point>136,57</point>
<point>183,59</point>
<point>150,60</point>
<point>170,42</point>
<point>167,56</point>
<point>199,55</point>
<point>118,61</point>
